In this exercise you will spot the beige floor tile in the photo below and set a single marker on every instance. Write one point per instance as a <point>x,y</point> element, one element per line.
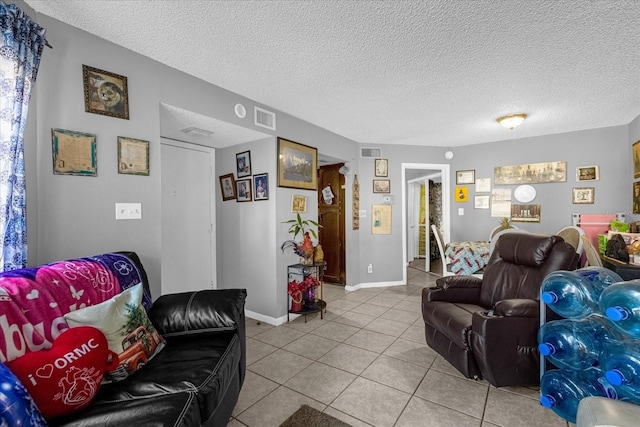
<point>256,350</point>
<point>353,422</point>
<point>509,409</point>
<point>385,300</point>
<point>349,358</point>
<point>389,327</point>
<point>442,365</point>
<point>235,423</point>
<point>311,346</point>
<point>320,382</point>
<point>395,373</point>
<point>276,407</point>
<point>415,333</point>
<point>312,322</point>
<point>400,315</point>
<point>409,351</point>
<point>371,309</point>
<point>279,336</point>
<point>255,327</point>
<point>344,304</point>
<point>280,366</point>
<point>371,402</point>
<point>358,296</point>
<point>335,331</point>
<point>370,340</point>
<point>255,387</point>
<point>351,318</point>
<point>462,395</point>
<point>421,413</point>
<point>410,306</point>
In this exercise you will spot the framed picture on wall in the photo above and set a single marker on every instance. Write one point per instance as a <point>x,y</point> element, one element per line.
<point>297,165</point>
<point>583,195</point>
<point>298,203</point>
<point>243,163</point>
<point>481,202</point>
<point>261,186</point>
<point>636,159</point>
<point>105,93</point>
<point>382,166</point>
<point>74,153</point>
<point>636,197</point>
<point>587,173</point>
<point>133,156</point>
<point>382,186</point>
<point>465,177</point>
<point>243,190</point>
<point>228,186</point>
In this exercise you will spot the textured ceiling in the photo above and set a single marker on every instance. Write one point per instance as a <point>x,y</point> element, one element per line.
<point>432,73</point>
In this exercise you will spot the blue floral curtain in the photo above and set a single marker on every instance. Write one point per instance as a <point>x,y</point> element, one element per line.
<point>20,51</point>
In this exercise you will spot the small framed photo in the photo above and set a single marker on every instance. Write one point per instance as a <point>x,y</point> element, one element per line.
<point>243,190</point>
<point>461,194</point>
<point>382,186</point>
<point>228,186</point>
<point>587,173</point>
<point>74,153</point>
<point>261,186</point>
<point>583,195</point>
<point>636,197</point>
<point>133,156</point>
<point>465,177</point>
<point>483,185</point>
<point>105,93</point>
<point>243,163</point>
<point>481,202</point>
<point>382,167</point>
<point>298,203</point>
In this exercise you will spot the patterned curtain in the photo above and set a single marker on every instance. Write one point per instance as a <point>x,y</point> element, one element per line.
<point>20,51</point>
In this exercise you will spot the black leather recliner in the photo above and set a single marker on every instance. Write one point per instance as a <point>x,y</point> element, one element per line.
<point>487,327</point>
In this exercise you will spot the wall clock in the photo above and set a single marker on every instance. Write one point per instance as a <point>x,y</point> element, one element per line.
<point>524,193</point>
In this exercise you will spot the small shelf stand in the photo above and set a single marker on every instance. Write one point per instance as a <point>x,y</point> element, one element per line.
<point>299,272</point>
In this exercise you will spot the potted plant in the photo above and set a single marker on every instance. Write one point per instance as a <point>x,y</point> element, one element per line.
<point>306,228</point>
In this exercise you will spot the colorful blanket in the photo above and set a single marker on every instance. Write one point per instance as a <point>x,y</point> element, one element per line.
<point>33,301</point>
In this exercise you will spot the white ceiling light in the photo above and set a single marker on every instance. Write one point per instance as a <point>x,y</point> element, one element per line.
<point>512,120</point>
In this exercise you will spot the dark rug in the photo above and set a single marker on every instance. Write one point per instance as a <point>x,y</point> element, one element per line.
<point>307,416</point>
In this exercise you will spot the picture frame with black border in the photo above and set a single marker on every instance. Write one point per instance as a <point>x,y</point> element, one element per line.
<point>381,167</point>
<point>105,93</point>
<point>382,186</point>
<point>243,190</point>
<point>243,164</point>
<point>261,186</point>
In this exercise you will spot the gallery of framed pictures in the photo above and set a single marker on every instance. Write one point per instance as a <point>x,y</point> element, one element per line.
<point>297,165</point>
<point>531,173</point>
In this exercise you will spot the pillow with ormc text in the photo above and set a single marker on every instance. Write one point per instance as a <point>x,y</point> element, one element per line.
<point>66,377</point>
<point>130,334</point>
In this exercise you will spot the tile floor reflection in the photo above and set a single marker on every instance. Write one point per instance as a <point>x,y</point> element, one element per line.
<point>367,363</point>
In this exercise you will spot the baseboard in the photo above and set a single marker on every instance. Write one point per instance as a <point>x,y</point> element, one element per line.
<point>352,288</point>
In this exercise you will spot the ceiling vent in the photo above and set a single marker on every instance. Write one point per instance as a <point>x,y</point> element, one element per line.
<point>370,152</point>
<point>197,131</point>
<point>264,118</point>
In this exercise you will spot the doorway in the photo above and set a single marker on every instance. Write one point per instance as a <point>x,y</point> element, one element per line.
<point>187,217</point>
<point>417,211</point>
<point>331,217</point>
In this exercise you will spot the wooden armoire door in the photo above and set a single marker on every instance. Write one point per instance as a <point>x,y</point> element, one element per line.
<point>332,218</point>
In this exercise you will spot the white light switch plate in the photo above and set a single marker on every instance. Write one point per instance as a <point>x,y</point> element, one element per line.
<point>128,211</point>
<point>460,211</point>
<point>362,213</point>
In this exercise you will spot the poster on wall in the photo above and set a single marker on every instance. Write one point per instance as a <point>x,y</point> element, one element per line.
<point>381,219</point>
<point>529,173</point>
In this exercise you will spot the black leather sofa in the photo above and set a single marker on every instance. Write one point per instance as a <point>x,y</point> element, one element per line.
<point>487,328</point>
<point>195,380</point>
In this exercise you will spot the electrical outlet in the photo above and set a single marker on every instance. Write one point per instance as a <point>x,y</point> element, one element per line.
<point>370,268</point>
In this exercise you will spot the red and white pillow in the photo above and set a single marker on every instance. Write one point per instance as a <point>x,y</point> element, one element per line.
<point>66,377</point>
<point>128,330</point>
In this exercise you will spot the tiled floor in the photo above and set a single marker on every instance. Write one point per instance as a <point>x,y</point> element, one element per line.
<point>367,363</point>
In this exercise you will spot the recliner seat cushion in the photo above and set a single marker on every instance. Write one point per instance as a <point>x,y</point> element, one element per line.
<point>205,365</point>
<point>452,320</point>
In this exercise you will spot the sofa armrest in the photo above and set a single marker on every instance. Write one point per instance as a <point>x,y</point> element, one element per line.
<point>517,308</point>
<point>460,289</point>
<point>208,311</point>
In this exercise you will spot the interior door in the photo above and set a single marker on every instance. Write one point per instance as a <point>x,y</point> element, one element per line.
<point>332,218</point>
<point>187,215</point>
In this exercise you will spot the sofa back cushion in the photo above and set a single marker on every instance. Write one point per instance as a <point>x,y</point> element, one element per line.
<point>33,301</point>
<point>519,264</point>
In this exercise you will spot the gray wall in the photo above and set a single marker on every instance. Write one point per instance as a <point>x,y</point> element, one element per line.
<point>74,216</point>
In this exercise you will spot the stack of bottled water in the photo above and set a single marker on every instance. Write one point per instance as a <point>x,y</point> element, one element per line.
<point>589,347</point>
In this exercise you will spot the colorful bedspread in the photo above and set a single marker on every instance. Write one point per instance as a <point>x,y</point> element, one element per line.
<point>33,301</point>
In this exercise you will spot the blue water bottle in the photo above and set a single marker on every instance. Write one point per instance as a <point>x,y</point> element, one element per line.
<point>621,304</point>
<point>575,294</point>
<point>621,363</point>
<point>561,391</point>
<point>574,344</point>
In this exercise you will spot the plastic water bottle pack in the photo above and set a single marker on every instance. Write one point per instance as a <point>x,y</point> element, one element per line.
<point>597,346</point>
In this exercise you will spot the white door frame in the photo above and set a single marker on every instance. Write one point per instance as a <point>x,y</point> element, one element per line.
<point>444,170</point>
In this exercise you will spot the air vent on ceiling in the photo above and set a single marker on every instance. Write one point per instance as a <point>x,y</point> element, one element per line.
<point>197,131</point>
<point>370,152</point>
<point>264,118</point>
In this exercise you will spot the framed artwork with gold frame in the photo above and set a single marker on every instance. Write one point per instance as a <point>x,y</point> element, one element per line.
<point>105,93</point>
<point>297,165</point>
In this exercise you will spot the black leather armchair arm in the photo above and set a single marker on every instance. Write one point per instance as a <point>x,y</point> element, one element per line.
<point>460,289</point>
<point>517,308</point>
<point>209,311</point>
